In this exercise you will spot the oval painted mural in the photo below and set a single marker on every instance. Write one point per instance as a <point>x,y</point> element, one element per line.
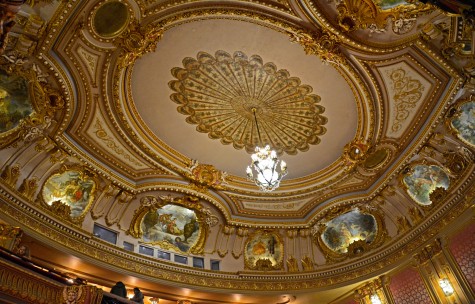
<point>423,180</point>
<point>171,227</point>
<point>15,103</point>
<point>464,123</point>
<point>71,188</point>
<point>347,228</point>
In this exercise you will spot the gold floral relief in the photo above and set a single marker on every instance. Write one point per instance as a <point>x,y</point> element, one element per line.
<point>204,176</point>
<point>355,153</point>
<point>407,92</point>
<point>137,40</point>
<point>264,250</point>
<point>222,93</point>
<point>69,193</point>
<point>180,224</point>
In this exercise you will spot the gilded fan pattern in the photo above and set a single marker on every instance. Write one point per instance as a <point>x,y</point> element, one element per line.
<point>219,93</point>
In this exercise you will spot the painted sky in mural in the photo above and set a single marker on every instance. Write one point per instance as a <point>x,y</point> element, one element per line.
<point>15,103</point>
<point>388,4</point>
<point>423,180</point>
<point>464,123</point>
<point>172,227</point>
<point>70,188</point>
<point>347,228</point>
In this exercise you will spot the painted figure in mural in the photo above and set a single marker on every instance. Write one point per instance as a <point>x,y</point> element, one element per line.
<point>348,228</point>
<point>424,180</point>
<point>15,103</point>
<point>173,228</point>
<point>181,245</point>
<point>464,122</point>
<point>190,228</point>
<point>171,224</point>
<point>271,245</point>
<point>259,248</point>
<point>71,188</point>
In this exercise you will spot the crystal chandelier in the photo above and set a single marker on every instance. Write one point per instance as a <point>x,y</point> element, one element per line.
<point>266,170</point>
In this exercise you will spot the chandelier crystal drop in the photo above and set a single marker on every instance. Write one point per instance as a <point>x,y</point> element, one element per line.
<point>266,170</point>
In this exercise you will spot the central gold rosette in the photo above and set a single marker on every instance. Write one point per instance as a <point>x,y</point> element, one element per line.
<point>219,93</point>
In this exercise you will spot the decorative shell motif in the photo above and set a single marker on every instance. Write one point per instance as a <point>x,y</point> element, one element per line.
<point>219,94</point>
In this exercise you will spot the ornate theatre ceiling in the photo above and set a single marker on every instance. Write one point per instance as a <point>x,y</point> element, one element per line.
<point>140,117</point>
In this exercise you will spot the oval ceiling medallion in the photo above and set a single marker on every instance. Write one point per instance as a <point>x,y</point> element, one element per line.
<point>219,94</point>
<point>110,19</point>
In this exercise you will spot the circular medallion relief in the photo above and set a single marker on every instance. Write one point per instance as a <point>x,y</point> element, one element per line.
<point>110,19</point>
<point>221,93</point>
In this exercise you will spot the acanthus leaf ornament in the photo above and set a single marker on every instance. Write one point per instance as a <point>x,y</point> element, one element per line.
<point>137,41</point>
<point>323,44</point>
<point>203,176</point>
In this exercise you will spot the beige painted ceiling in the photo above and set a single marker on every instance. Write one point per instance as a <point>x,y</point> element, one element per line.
<point>151,93</point>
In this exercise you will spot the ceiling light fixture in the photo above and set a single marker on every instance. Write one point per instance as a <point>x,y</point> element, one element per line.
<point>375,299</point>
<point>444,283</point>
<point>264,170</point>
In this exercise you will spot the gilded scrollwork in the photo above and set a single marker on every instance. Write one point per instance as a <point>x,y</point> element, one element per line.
<point>149,221</point>
<point>367,14</point>
<point>354,153</point>
<point>10,175</point>
<point>323,44</point>
<point>203,176</point>
<point>407,92</point>
<point>136,41</point>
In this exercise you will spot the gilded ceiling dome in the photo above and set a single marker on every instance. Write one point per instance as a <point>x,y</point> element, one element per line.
<point>126,127</point>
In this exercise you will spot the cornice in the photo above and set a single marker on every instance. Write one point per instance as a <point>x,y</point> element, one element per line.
<point>377,261</point>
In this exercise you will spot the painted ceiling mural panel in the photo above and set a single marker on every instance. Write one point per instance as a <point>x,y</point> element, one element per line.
<point>348,228</point>
<point>15,102</point>
<point>171,227</point>
<point>387,117</point>
<point>464,122</point>
<point>72,188</point>
<point>423,180</point>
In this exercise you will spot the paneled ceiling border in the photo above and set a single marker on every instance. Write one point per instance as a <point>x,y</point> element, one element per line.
<point>55,233</point>
<point>153,7</point>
